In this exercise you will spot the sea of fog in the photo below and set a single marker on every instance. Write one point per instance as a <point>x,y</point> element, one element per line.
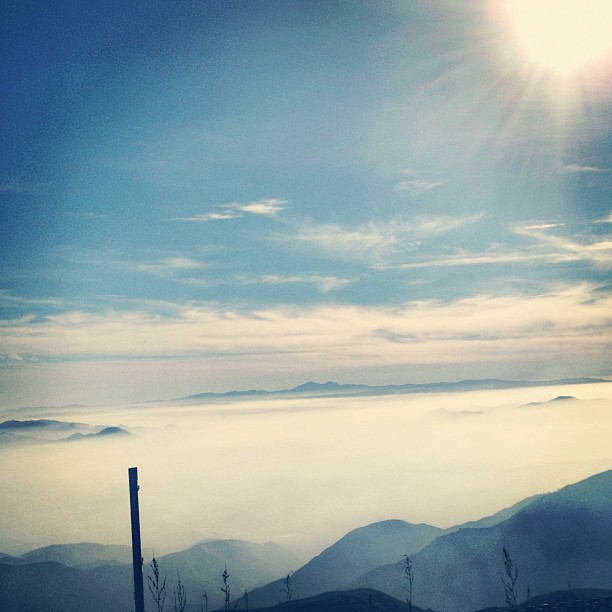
<point>296,470</point>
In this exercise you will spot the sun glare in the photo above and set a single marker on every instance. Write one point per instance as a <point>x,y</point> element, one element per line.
<point>563,35</point>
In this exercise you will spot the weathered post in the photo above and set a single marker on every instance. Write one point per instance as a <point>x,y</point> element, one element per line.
<point>136,546</point>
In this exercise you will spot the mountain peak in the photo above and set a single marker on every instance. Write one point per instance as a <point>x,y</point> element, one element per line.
<point>315,386</point>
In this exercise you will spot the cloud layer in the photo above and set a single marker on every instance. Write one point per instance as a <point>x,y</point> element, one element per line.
<point>572,321</point>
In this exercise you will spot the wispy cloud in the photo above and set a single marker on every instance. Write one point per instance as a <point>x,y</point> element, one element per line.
<point>325,284</point>
<point>170,264</point>
<point>213,216</point>
<point>540,226</point>
<point>378,243</point>
<point>417,186</point>
<point>8,300</point>
<point>268,208</point>
<point>583,169</point>
<point>547,247</point>
<point>495,255</point>
<point>416,183</point>
<point>607,219</point>
<point>557,248</point>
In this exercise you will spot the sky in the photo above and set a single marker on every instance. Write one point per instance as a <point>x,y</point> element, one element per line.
<point>217,195</point>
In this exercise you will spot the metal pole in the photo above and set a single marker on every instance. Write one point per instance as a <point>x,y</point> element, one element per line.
<point>136,546</point>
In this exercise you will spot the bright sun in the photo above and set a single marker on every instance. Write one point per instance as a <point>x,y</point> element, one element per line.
<point>562,35</point>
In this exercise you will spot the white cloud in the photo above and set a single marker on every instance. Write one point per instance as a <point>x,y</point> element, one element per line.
<point>582,169</point>
<point>542,226</point>
<point>171,264</point>
<point>377,243</point>
<point>267,207</point>
<point>417,186</point>
<point>213,216</point>
<point>325,284</point>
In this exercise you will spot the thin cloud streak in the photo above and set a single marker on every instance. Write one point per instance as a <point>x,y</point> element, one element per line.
<point>598,252</point>
<point>583,169</point>
<point>548,249</point>
<point>325,284</point>
<point>417,186</point>
<point>267,207</point>
<point>607,219</point>
<point>171,264</point>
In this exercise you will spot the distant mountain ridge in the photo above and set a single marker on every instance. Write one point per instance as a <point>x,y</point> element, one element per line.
<point>41,431</point>
<point>83,554</point>
<point>331,388</point>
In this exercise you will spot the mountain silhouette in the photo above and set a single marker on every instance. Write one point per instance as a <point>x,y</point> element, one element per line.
<point>357,552</point>
<point>331,388</point>
<point>107,432</point>
<point>560,537</point>
<point>83,554</point>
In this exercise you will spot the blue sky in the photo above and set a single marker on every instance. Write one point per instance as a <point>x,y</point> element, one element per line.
<point>224,195</point>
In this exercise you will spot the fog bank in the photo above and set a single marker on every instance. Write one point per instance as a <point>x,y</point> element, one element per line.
<point>299,471</point>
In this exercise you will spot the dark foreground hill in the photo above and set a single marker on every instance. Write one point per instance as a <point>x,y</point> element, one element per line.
<point>570,600</point>
<point>561,538</point>
<point>53,587</point>
<point>358,600</point>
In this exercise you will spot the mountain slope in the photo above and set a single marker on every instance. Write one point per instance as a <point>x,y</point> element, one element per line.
<point>250,565</point>
<point>357,552</point>
<point>53,587</point>
<point>498,517</point>
<point>561,537</point>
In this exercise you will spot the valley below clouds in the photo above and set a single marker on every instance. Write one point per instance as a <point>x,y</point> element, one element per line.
<point>300,470</point>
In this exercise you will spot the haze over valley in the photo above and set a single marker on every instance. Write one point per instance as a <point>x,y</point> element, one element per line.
<point>298,469</point>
